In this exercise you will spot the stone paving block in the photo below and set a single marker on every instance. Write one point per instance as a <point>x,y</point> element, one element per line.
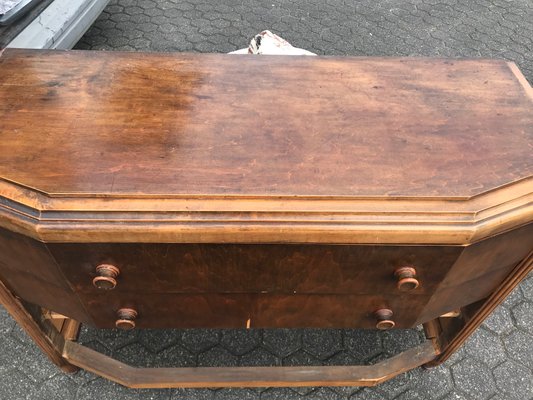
<point>111,338</point>
<point>325,394</point>
<point>322,343</point>
<point>410,394</point>
<point>58,387</point>
<point>280,394</point>
<point>363,344</point>
<point>458,355</point>
<point>176,356</point>
<point>343,358</point>
<point>282,342</point>
<point>514,380</point>
<point>396,341</point>
<point>241,341</point>
<point>6,323</point>
<point>16,385</point>
<point>135,354</point>
<point>11,353</point>
<point>303,391</point>
<point>515,297</point>
<point>399,384</point>
<point>217,357</point>
<point>96,345</point>
<point>156,340</point>
<point>259,357</point>
<point>103,389</point>
<point>34,365</point>
<point>369,394</point>
<point>435,382</point>
<point>517,344</point>
<point>474,379</point>
<point>18,333</point>
<point>235,394</point>
<point>198,340</point>
<point>486,347</point>
<point>523,315</point>
<point>526,287</point>
<point>301,357</point>
<point>500,321</point>
<point>346,391</point>
<point>455,395</point>
<point>188,394</point>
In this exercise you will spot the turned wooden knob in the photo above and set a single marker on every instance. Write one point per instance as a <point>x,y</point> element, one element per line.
<point>384,319</point>
<point>107,277</point>
<point>407,280</point>
<point>126,319</point>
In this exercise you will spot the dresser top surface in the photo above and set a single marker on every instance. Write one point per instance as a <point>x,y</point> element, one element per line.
<point>111,123</point>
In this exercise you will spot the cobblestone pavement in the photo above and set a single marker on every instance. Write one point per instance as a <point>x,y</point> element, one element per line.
<point>443,28</point>
<point>496,363</point>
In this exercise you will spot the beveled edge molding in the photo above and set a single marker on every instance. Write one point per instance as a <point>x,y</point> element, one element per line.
<point>264,219</point>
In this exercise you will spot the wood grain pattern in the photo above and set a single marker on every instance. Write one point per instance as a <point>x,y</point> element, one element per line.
<point>233,310</point>
<point>28,269</point>
<point>145,147</point>
<point>250,268</point>
<point>233,219</point>
<point>130,123</point>
<point>479,271</point>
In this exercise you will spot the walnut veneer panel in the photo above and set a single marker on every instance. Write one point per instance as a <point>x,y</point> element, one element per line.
<point>241,268</point>
<point>169,124</point>
<point>233,310</point>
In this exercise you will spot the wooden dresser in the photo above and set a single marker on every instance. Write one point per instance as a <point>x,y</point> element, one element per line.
<point>198,190</point>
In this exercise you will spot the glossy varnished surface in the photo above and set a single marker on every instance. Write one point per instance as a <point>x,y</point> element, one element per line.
<point>115,123</point>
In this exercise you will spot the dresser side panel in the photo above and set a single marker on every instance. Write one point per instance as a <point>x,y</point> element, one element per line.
<point>31,273</point>
<point>479,271</point>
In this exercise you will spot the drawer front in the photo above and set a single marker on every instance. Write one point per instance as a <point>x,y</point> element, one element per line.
<point>232,310</point>
<point>232,268</point>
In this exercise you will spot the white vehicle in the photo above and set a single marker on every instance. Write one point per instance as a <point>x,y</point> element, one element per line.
<point>46,24</point>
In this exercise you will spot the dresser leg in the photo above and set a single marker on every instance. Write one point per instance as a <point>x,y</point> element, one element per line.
<point>448,334</point>
<point>40,329</point>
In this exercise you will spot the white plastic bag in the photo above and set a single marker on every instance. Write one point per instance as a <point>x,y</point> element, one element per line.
<point>269,43</point>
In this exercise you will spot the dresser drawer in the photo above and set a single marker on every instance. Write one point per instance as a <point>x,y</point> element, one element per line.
<point>234,310</point>
<point>232,268</point>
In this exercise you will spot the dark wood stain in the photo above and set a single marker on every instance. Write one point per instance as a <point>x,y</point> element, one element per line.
<point>29,270</point>
<point>231,268</point>
<point>479,270</point>
<point>230,310</point>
